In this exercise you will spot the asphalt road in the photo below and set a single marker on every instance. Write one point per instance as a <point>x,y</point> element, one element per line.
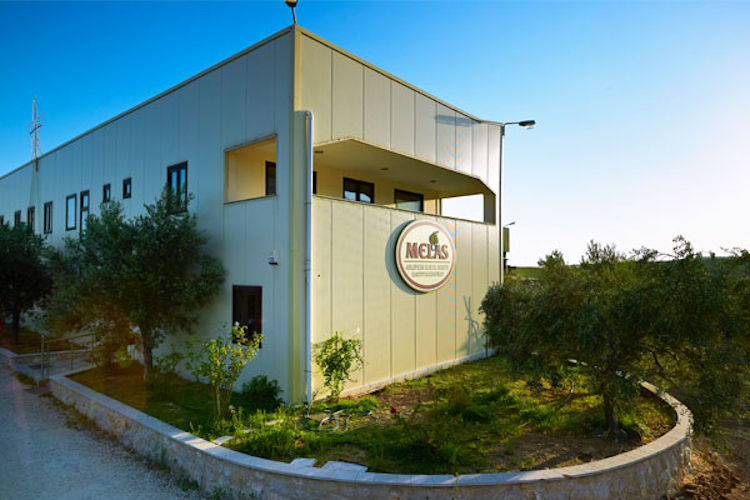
<point>45,453</point>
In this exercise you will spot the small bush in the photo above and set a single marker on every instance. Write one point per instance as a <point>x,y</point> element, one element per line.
<point>337,357</point>
<point>260,394</point>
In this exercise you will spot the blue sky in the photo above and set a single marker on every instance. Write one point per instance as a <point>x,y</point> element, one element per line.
<point>643,108</point>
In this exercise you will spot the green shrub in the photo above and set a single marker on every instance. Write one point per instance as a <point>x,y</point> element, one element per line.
<point>260,394</point>
<point>337,357</point>
<point>221,361</point>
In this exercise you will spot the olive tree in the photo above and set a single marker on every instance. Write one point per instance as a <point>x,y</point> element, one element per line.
<point>24,275</point>
<point>150,270</point>
<point>679,318</point>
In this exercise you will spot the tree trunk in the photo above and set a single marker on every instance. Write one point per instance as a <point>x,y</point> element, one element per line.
<point>148,346</point>
<point>217,394</point>
<point>15,326</point>
<point>609,415</point>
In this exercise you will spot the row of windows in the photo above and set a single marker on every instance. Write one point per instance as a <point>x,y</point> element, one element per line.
<point>356,190</point>
<point>76,214</point>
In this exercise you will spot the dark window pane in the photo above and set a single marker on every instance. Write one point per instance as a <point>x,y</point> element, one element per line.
<point>270,178</point>
<point>127,188</point>
<point>355,190</point>
<point>30,218</point>
<point>17,217</point>
<point>70,212</point>
<point>48,217</point>
<point>177,182</point>
<point>409,201</point>
<point>247,303</point>
<point>315,183</point>
<point>106,193</point>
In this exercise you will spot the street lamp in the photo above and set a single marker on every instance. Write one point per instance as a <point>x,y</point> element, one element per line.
<point>292,4</point>
<point>527,124</point>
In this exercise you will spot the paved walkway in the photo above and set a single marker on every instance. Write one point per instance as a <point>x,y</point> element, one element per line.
<point>42,457</point>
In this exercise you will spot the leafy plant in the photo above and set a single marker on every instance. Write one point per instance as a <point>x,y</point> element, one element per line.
<point>221,361</point>
<point>24,274</point>
<point>260,394</point>
<point>682,319</point>
<point>147,274</point>
<point>337,357</point>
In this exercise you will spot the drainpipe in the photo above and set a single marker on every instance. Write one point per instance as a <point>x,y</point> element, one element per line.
<point>499,217</point>
<point>308,253</point>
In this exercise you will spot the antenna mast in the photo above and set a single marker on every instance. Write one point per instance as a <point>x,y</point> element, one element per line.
<point>33,128</point>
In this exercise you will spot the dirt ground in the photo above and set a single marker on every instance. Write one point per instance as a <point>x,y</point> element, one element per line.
<point>720,470</point>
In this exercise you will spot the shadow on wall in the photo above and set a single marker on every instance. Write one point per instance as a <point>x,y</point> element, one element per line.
<point>475,334</point>
<point>390,260</point>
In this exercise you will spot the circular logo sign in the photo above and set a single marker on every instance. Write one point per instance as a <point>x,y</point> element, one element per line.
<point>425,255</point>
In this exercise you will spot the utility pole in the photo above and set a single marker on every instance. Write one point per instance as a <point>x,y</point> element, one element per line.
<point>33,128</point>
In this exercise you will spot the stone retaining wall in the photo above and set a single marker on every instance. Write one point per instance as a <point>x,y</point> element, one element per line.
<point>646,472</point>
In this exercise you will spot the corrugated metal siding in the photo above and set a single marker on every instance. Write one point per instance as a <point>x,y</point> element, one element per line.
<point>351,99</point>
<point>357,289</point>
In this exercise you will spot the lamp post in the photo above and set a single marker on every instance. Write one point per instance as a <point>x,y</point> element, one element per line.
<point>525,124</point>
<point>292,4</point>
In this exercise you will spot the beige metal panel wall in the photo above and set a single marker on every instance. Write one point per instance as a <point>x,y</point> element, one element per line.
<point>377,297</point>
<point>316,85</point>
<point>463,148</point>
<point>425,114</point>
<point>479,285</point>
<point>446,136</point>
<point>463,286</point>
<point>348,97</point>
<point>447,302</point>
<point>351,99</point>
<point>403,307</point>
<point>357,290</point>
<point>377,113</point>
<point>402,121</point>
<point>479,152</point>
<point>262,94</point>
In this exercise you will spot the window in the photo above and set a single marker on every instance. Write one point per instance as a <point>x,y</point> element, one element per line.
<point>177,183</point>
<point>408,201</point>
<point>247,303</point>
<point>127,188</point>
<point>84,213</point>
<point>106,193</point>
<point>355,190</point>
<point>48,217</point>
<point>70,212</point>
<point>315,182</point>
<point>17,218</point>
<point>270,178</point>
<point>30,217</point>
<point>2,220</point>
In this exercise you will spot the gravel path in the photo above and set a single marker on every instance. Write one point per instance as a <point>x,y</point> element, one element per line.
<point>44,453</point>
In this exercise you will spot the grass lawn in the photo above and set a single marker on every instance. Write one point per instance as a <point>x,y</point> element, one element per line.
<point>30,342</point>
<point>475,417</point>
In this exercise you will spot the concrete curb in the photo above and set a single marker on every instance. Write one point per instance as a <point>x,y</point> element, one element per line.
<point>649,471</point>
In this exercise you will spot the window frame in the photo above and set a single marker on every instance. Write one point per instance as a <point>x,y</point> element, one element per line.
<point>182,191</point>
<point>47,229</point>
<point>271,166</point>
<point>359,184</point>
<point>106,193</point>
<point>407,194</point>
<point>81,209</point>
<point>74,197</point>
<point>127,188</point>
<point>30,217</point>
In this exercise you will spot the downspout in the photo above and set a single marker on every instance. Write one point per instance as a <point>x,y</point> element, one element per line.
<point>308,253</point>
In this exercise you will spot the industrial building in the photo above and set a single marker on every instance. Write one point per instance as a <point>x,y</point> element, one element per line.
<point>318,178</point>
